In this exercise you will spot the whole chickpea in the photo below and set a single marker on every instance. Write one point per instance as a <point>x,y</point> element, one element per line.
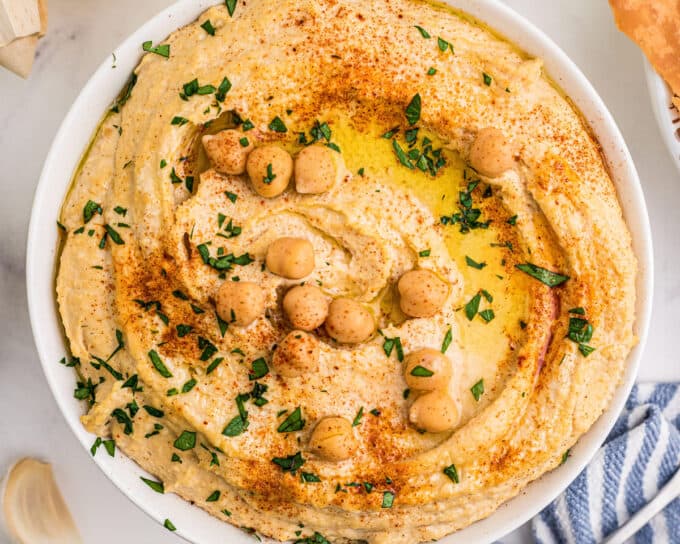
<point>318,169</point>
<point>332,439</point>
<point>491,153</point>
<point>240,302</point>
<point>297,354</point>
<point>291,258</point>
<point>427,369</point>
<point>349,322</point>
<point>434,412</point>
<point>422,293</point>
<point>306,307</point>
<point>270,168</point>
<point>227,152</point>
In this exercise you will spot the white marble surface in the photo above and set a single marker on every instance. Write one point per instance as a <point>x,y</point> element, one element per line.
<point>81,35</point>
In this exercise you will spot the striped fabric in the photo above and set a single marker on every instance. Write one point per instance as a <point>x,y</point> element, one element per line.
<point>640,455</point>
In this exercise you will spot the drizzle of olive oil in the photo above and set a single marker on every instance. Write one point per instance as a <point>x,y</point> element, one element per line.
<point>486,347</point>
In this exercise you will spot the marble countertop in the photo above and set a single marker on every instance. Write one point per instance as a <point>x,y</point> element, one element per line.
<point>81,35</point>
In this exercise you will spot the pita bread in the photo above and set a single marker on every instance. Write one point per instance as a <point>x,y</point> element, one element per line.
<point>655,26</point>
<point>18,55</point>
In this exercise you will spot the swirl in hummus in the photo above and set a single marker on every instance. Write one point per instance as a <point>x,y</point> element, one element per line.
<point>344,271</point>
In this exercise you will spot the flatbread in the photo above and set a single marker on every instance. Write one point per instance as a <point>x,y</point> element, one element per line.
<point>18,56</point>
<point>655,26</point>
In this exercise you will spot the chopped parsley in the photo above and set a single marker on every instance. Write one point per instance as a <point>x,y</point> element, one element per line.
<point>113,234</point>
<point>291,463</point>
<point>413,110</point>
<point>580,332</point>
<point>259,370</point>
<point>159,365</point>
<point>487,79</point>
<point>467,216</point>
<point>358,417</point>
<point>238,424</point>
<point>90,209</point>
<point>189,385</point>
<point>231,196</point>
<point>401,155</point>
<point>208,27</point>
<point>390,344</point>
<point>186,441</point>
<point>162,50</point>
<point>169,525</point>
<point>512,220</point>
<point>444,45</point>
<point>448,337</point>
<point>277,125</point>
<point>223,89</point>
<point>158,487</point>
<point>155,412</point>
<point>231,6</point>
<point>271,176</point>
<point>424,33</point>
<point>474,264</point>
<point>388,499</point>
<point>179,121</point>
<point>308,477</point>
<point>477,390</point>
<point>424,253</point>
<point>487,315</point>
<point>222,262</point>
<point>123,419</point>
<point>212,366</point>
<point>431,71</point>
<point>472,307</point>
<point>214,496</point>
<point>551,279</point>
<point>452,473</point>
<point>208,348</point>
<point>565,456</point>
<point>293,422</point>
<point>421,372</point>
<point>183,330</point>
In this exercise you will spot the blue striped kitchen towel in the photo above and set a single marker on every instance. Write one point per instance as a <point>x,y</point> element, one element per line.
<point>640,455</point>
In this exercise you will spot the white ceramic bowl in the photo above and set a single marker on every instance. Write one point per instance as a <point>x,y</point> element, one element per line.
<point>72,139</point>
<point>667,115</point>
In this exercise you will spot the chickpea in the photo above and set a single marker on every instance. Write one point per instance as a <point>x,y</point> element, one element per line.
<point>306,307</point>
<point>422,293</point>
<point>434,412</point>
<point>270,168</point>
<point>317,169</point>
<point>291,258</point>
<point>226,151</point>
<point>491,153</point>
<point>332,439</point>
<point>427,369</point>
<point>349,322</point>
<point>240,302</point>
<point>297,354</point>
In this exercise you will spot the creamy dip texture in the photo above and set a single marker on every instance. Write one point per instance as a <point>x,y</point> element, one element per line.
<point>343,271</point>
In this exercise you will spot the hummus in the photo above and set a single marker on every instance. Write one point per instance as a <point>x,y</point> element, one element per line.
<point>473,224</point>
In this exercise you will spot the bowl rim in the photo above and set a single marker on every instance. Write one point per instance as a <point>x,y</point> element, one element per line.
<point>71,140</point>
<point>660,96</point>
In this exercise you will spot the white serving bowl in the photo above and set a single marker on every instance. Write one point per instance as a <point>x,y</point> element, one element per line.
<point>62,160</point>
<point>667,116</point>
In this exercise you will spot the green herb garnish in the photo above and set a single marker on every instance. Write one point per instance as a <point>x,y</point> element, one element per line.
<point>158,487</point>
<point>293,422</point>
<point>162,50</point>
<point>452,473</point>
<point>551,279</point>
<point>477,390</point>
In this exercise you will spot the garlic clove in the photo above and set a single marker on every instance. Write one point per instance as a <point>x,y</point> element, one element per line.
<point>32,509</point>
